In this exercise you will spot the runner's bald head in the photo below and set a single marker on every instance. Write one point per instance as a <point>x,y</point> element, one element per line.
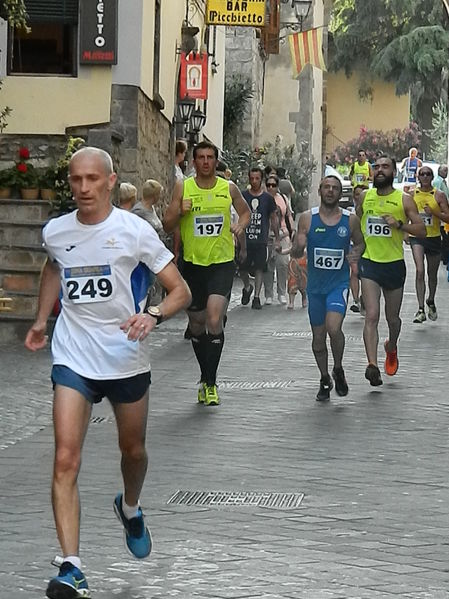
<point>90,151</point>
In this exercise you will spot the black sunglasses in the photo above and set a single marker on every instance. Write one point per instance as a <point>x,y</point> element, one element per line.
<point>271,185</point>
<point>426,174</point>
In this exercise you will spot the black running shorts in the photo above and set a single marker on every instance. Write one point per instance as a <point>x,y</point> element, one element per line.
<point>388,275</point>
<point>215,279</point>
<point>431,245</point>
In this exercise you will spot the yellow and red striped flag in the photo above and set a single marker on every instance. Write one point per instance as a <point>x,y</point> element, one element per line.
<point>306,48</point>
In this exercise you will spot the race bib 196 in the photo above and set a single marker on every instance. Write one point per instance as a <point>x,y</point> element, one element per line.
<point>328,259</point>
<point>89,284</point>
<point>426,218</point>
<point>208,225</point>
<point>377,227</point>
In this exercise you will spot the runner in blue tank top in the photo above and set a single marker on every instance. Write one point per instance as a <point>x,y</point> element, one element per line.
<point>326,232</point>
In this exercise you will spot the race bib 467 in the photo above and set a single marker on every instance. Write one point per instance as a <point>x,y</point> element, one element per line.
<point>328,258</point>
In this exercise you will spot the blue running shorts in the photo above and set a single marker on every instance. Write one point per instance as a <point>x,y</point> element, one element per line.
<point>321,303</point>
<point>126,390</point>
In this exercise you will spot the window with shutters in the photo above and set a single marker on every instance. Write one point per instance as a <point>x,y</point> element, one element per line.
<point>50,47</point>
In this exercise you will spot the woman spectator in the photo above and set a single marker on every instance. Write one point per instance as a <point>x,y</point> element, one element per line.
<point>279,258</point>
<point>127,196</point>
<point>151,194</point>
<point>180,156</point>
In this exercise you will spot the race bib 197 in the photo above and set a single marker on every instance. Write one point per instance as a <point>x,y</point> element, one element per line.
<point>89,284</point>
<point>328,259</point>
<point>377,227</point>
<point>208,225</point>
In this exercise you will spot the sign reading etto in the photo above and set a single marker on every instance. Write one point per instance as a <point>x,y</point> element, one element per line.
<point>249,13</point>
<point>98,31</point>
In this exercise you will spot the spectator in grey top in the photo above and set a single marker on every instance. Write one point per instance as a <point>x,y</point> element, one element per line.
<point>127,196</point>
<point>151,194</point>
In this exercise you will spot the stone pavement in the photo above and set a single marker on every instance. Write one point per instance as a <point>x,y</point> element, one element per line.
<point>373,467</point>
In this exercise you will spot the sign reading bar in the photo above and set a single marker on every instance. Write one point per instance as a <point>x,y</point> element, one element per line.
<point>246,13</point>
<point>98,32</point>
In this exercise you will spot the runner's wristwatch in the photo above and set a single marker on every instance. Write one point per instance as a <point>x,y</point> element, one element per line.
<point>400,224</point>
<point>156,313</point>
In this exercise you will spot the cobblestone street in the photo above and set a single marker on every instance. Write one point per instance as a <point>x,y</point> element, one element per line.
<point>373,468</point>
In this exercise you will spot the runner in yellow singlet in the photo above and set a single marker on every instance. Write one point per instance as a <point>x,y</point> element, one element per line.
<point>433,208</point>
<point>361,172</point>
<point>386,214</point>
<point>201,206</point>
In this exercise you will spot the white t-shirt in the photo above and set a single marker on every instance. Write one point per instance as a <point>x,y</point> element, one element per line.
<point>105,274</point>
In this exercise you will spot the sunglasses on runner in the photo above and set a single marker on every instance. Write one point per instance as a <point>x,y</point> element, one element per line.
<point>426,174</point>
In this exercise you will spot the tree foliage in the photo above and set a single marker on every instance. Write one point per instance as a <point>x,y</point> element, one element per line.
<point>298,166</point>
<point>397,40</point>
<point>238,93</point>
<point>394,143</point>
<point>15,13</point>
<point>438,133</point>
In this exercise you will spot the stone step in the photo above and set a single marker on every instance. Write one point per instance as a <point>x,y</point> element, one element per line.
<point>20,278</point>
<point>24,210</point>
<point>13,327</point>
<point>22,256</point>
<point>21,233</point>
<point>23,303</point>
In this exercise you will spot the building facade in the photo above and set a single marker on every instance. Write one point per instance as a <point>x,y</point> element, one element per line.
<point>128,108</point>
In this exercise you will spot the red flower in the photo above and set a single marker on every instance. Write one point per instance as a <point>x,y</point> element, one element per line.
<point>22,167</point>
<point>24,153</point>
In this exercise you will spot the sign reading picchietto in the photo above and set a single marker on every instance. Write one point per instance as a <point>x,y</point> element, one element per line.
<point>243,13</point>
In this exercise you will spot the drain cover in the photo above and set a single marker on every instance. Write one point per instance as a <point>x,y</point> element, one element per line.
<point>274,501</point>
<point>255,384</point>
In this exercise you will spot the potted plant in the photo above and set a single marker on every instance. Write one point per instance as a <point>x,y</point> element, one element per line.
<point>26,176</point>
<point>7,182</point>
<point>47,184</point>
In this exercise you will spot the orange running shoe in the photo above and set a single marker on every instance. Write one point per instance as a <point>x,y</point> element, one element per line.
<point>391,360</point>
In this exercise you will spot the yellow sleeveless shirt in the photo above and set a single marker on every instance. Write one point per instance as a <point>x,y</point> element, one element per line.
<point>383,243</point>
<point>205,230</point>
<point>423,198</point>
<point>359,171</point>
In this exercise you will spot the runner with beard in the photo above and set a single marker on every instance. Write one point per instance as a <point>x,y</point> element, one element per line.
<point>326,231</point>
<point>386,214</point>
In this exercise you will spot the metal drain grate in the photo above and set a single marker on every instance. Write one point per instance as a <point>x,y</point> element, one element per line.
<point>99,419</point>
<point>264,499</point>
<point>308,335</point>
<point>255,384</point>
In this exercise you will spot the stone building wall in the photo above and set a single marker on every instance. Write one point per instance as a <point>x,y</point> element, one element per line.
<point>138,137</point>
<point>243,57</point>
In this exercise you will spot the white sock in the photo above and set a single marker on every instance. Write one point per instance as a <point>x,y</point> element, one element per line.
<point>74,560</point>
<point>130,511</point>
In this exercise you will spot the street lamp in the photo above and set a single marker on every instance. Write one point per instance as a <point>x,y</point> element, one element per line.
<point>302,9</point>
<point>185,110</point>
<point>196,123</point>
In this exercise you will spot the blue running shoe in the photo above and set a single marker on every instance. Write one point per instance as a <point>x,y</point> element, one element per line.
<point>69,584</point>
<point>137,535</point>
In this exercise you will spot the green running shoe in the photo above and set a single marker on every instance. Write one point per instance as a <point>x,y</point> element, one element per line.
<point>202,392</point>
<point>211,396</point>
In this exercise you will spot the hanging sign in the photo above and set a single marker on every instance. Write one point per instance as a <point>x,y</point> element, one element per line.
<point>249,13</point>
<point>193,76</point>
<point>98,32</point>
